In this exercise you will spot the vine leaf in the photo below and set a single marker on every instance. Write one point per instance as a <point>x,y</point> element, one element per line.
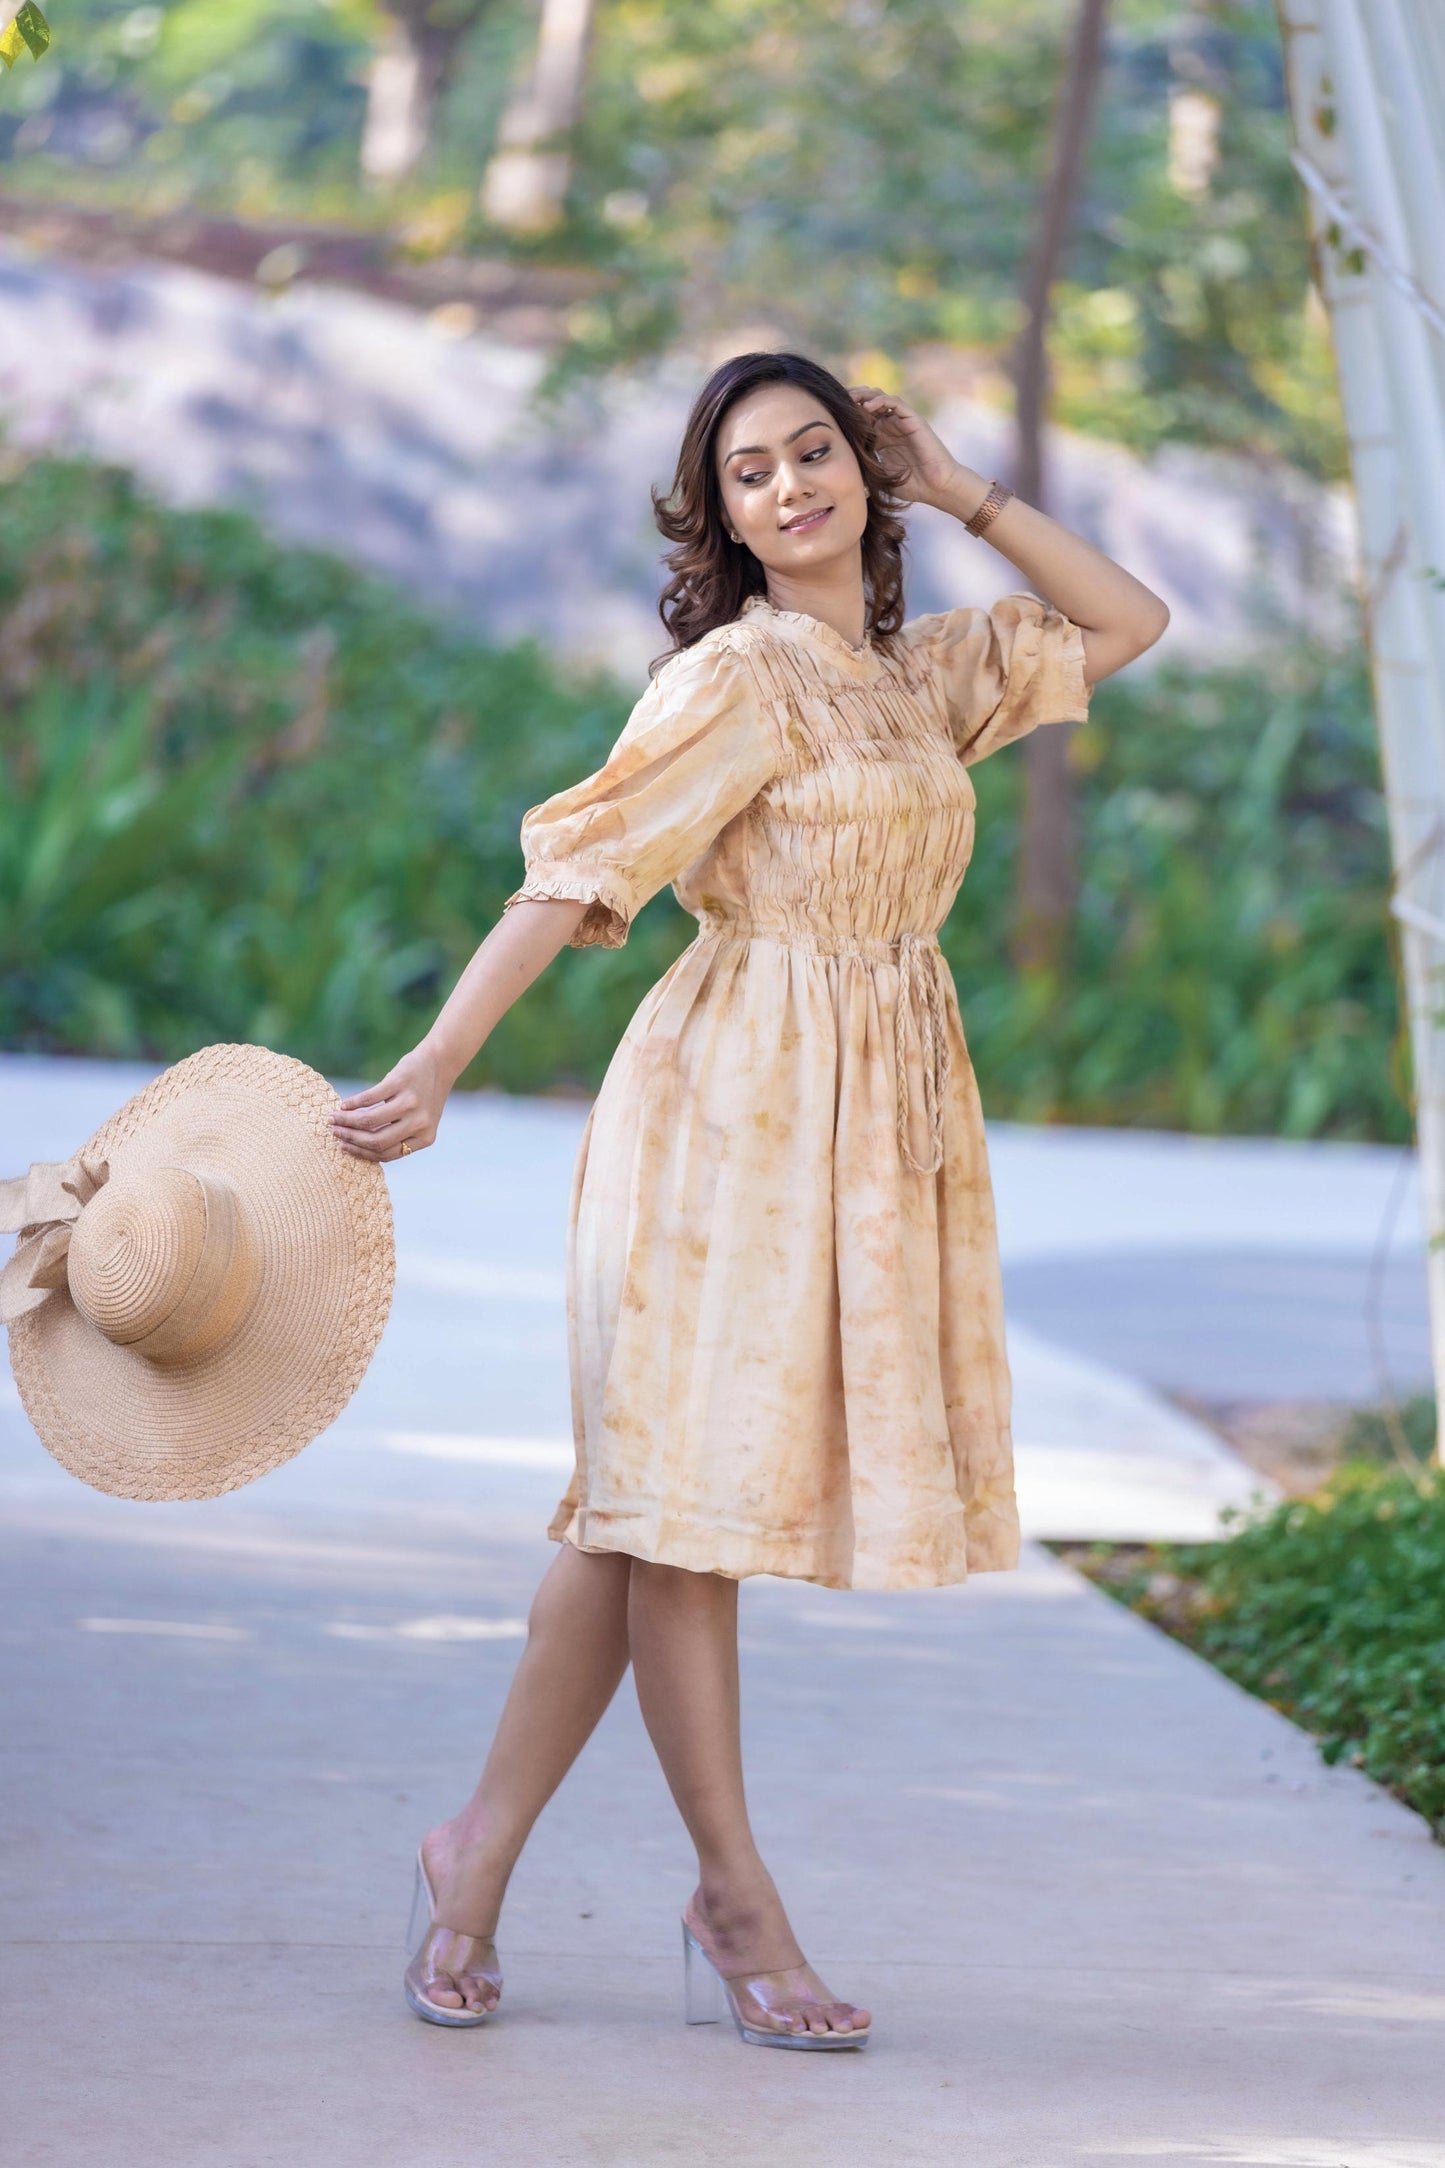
<point>29,32</point>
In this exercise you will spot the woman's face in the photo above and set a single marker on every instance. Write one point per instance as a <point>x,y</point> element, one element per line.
<point>792,488</point>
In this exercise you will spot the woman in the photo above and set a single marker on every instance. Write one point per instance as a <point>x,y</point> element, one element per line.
<point>784,1307</point>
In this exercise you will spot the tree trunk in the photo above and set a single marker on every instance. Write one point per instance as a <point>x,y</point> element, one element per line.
<point>409,71</point>
<point>526,179</point>
<point>1047,890</point>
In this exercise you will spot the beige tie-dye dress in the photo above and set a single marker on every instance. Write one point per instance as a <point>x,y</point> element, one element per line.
<point>784,1304</point>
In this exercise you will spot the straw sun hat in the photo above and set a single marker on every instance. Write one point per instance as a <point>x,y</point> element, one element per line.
<point>198,1291</point>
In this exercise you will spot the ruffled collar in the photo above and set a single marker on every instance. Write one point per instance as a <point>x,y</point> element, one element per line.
<point>816,629</point>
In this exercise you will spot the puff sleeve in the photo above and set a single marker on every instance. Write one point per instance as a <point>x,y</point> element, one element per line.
<point>696,749</point>
<point>1003,671</point>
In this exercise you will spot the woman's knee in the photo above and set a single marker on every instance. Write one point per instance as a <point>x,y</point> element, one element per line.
<point>681,1586</point>
<point>580,1581</point>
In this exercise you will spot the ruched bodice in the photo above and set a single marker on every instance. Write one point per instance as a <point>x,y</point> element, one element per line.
<point>865,831</point>
<point>785,1318</point>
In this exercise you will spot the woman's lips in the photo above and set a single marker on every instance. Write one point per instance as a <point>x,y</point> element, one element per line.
<point>807,523</point>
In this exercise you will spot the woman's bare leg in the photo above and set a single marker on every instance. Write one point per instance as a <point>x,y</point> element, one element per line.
<point>683,1636</point>
<point>573,1662</point>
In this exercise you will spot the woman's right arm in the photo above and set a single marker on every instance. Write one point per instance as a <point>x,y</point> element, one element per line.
<point>696,749</point>
<point>406,1106</point>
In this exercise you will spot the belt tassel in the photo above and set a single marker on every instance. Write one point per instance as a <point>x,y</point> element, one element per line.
<point>920,988</point>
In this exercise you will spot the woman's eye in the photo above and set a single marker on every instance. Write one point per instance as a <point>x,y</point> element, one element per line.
<point>752,478</point>
<point>820,452</point>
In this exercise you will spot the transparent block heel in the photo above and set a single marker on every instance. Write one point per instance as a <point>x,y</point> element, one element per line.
<point>703,1995</point>
<point>706,1995</point>
<point>420,1918</point>
<point>421,1928</point>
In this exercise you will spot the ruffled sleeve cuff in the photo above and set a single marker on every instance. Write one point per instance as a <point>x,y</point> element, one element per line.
<point>609,915</point>
<point>1064,689</point>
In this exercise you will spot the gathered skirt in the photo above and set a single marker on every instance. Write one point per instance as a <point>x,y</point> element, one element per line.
<point>786,1344</point>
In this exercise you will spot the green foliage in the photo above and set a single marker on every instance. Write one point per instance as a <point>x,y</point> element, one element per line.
<point>211,103</point>
<point>28,32</point>
<point>246,793</point>
<point>866,177</point>
<point>858,177</point>
<point>1392,1437</point>
<point>1333,1609</point>
<point>1231,969</point>
<point>249,107</point>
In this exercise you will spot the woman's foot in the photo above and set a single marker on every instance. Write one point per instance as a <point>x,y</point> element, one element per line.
<point>744,1930</point>
<point>456,1965</point>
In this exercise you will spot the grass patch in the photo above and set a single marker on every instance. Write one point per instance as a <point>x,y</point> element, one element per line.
<point>1330,1608</point>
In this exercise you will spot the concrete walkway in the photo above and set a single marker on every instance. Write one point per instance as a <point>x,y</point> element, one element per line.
<point>1134,1264</point>
<point>1108,1909</point>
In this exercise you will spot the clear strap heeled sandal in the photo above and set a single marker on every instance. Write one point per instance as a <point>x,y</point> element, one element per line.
<point>443,1950</point>
<point>706,1992</point>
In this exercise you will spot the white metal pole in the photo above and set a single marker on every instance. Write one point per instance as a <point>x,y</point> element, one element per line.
<point>1383,402</point>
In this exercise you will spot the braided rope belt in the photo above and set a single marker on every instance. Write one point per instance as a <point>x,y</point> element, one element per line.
<point>920,990</point>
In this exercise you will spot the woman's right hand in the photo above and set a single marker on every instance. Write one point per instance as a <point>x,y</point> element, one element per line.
<point>404,1108</point>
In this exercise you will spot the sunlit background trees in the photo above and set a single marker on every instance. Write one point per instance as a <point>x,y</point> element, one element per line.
<point>1175,915</point>
<point>854,173</point>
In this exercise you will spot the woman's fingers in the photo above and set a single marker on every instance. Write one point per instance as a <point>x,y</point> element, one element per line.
<point>392,1086</point>
<point>873,395</point>
<point>387,1146</point>
<point>374,1109</point>
<point>368,1140</point>
<point>367,1119</point>
<point>378,1132</point>
<point>367,1098</point>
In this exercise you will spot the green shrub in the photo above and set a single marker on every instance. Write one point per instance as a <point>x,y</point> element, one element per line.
<point>1231,969</point>
<point>1392,1436</point>
<point>248,793</point>
<point>1333,1609</point>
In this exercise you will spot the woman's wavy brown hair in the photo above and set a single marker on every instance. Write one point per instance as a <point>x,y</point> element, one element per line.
<point>713,576</point>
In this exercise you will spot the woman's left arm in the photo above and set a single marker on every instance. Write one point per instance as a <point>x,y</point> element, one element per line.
<point>1118,615</point>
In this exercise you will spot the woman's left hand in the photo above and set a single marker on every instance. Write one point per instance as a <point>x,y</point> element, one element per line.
<point>908,443</point>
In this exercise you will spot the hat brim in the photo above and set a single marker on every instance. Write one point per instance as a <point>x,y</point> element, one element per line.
<point>322,1224</point>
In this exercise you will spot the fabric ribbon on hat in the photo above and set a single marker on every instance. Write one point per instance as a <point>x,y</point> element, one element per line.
<point>44,1205</point>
